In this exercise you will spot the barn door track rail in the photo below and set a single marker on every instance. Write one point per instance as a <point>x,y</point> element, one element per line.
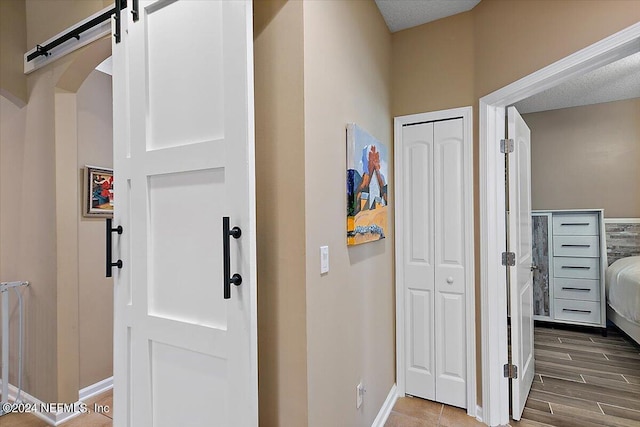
<point>84,32</point>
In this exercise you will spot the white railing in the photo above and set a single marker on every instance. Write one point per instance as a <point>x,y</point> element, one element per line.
<point>4,308</point>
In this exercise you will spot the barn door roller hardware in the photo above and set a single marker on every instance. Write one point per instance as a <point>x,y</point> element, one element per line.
<point>75,32</point>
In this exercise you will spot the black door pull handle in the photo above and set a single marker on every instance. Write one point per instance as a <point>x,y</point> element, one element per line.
<point>134,11</point>
<point>228,280</point>
<point>109,229</point>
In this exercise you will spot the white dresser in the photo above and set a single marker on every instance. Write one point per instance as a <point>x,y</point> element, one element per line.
<point>570,258</point>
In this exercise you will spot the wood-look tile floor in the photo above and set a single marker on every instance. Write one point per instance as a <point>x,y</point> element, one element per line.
<point>416,412</point>
<point>89,419</point>
<point>584,379</point>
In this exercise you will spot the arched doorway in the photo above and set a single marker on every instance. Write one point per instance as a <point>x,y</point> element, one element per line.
<point>75,321</point>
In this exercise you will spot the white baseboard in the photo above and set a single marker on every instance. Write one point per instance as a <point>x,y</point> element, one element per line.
<point>95,389</point>
<point>59,417</point>
<point>387,406</point>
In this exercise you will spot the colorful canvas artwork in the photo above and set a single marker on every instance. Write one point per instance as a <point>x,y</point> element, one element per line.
<point>98,192</point>
<point>367,202</point>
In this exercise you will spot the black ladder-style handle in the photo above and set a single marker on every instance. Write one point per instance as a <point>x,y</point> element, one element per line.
<point>110,264</point>
<point>236,279</point>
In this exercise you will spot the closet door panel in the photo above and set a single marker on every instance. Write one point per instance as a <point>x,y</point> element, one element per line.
<point>418,258</point>
<point>450,338</point>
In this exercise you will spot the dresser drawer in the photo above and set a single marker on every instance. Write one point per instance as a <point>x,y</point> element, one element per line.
<point>580,289</point>
<point>576,268</point>
<point>577,311</point>
<point>578,246</point>
<point>575,225</point>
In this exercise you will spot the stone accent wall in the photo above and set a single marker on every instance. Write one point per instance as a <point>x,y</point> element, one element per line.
<point>623,240</point>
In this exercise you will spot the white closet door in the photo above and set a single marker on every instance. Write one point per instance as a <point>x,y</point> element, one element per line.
<point>418,257</point>
<point>449,236</point>
<point>433,261</point>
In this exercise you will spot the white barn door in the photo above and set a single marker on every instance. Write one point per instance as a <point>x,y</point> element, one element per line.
<point>433,259</point>
<point>521,278</point>
<point>184,160</point>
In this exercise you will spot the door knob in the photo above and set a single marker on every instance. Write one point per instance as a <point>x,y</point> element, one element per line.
<point>449,280</point>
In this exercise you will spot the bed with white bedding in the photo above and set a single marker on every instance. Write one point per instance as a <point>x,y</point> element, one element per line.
<point>622,282</point>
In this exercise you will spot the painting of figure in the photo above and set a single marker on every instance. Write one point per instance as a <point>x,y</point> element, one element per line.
<point>98,192</point>
<point>367,192</point>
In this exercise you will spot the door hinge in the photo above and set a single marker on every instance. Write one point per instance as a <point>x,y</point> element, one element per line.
<point>507,146</point>
<point>510,371</point>
<point>508,259</point>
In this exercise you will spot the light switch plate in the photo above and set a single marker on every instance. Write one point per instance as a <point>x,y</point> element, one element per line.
<point>324,259</point>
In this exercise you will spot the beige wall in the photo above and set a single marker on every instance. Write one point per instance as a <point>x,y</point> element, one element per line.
<point>38,212</point>
<point>511,39</point>
<point>27,228</point>
<point>66,215</point>
<point>280,182</point>
<point>587,157</point>
<point>95,291</point>
<point>319,335</point>
<point>433,66</point>
<point>350,310</point>
<point>13,44</point>
<point>514,38</point>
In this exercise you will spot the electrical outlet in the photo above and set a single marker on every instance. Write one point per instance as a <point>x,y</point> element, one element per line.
<point>359,394</point>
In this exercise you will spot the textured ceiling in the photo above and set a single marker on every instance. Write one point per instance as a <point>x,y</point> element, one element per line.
<point>402,14</point>
<point>614,82</point>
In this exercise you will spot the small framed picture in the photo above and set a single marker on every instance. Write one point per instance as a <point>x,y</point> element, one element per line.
<point>98,192</point>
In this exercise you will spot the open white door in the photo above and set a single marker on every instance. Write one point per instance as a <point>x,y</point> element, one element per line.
<point>184,159</point>
<point>521,278</point>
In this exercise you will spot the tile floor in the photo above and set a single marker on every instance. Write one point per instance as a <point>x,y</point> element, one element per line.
<point>90,419</point>
<point>583,379</point>
<point>407,412</point>
<point>416,412</point>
